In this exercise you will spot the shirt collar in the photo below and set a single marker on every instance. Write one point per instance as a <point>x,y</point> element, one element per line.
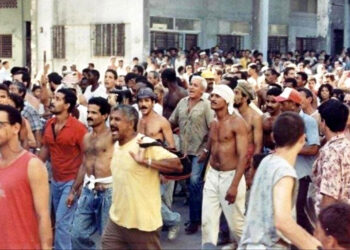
<point>337,137</point>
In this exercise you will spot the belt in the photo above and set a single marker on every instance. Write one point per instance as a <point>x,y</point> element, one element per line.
<point>99,184</point>
<point>102,187</point>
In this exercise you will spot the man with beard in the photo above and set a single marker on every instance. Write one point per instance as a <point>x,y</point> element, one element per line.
<point>63,142</point>
<point>135,213</point>
<point>225,186</point>
<point>95,200</point>
<point>272,111</point>
<point>157,127</point>
<point>175,92</point>
<point>244,94</point>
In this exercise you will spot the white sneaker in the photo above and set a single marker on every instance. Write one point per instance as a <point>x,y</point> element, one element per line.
<point>173,232</point>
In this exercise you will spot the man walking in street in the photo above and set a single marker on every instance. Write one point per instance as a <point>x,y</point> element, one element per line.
<point>63,142</point>
<point>225,187</point>
<point>95,176</point>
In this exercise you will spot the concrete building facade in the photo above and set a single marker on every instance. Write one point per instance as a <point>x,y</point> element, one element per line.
<point>65,32</point>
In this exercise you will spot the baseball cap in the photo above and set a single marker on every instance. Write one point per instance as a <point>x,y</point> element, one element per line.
<point>146,93</point>
<point>289,94</point>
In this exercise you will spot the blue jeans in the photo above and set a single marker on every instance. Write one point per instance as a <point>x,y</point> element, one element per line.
<point>169,217</point>
<point>195,188</point>
<point>63,214</point>
<point>91,215</point>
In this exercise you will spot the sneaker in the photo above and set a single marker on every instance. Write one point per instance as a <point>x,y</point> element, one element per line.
<point>173,232</point>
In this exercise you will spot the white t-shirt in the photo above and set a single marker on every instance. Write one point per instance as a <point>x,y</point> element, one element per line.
<point>83,115</point>
<point>99,92</point>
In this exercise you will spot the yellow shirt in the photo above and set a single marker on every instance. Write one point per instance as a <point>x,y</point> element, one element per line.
<point>136,201</point>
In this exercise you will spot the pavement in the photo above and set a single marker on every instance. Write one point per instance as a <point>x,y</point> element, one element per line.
<point>183,241</point>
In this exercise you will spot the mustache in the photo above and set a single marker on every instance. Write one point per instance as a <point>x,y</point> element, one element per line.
<point>143,107</point>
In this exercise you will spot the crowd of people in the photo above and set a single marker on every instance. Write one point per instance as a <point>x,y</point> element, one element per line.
<point>259,149</point>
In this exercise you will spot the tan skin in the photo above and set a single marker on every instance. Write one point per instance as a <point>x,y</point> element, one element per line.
<point>98,150</point>
<point>123,131</point>
<point>174,95</point>
<point>273,108</point>
<point>228,143</point>
<point>253,119</point>
<point>153,125</point>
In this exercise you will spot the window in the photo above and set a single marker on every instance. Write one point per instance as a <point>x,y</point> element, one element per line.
<point>190,41</point>
<point>277,43</point>
<point>165,23</point>
<point>226,42</point>
<point>303,43</point>
<point>109,39</point>
<point>58,42</point>
<point>6,46</point>
<point>308,6</point>
<point>187,24</point>
<point>8,4</point>
<point>165,40</point>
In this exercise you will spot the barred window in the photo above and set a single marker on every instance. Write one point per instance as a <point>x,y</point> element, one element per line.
<point>109,39</point>
<point>6,46</point>
<point>226,42</point>
<point>278,44</point>
<point>306,43</point>
<point>165,40</point>
<point>8,4</point>
<point>58,42</point>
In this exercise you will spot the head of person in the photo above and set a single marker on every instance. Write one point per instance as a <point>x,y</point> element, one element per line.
<point>91,66</point>
<point>221,97</point>
<point>135,60</point>
<point>22,76</point>
<point>329,78</point>
<point>98,111</point>
<point>272,106</point>
<point>334,116</point>
<point>290,100</point>
<point>289,72</point>
<point>288,131</point>
<point>10,124</point>
<point>93,76</point>
<point>18,88</point>
<point>36,90</point>
<point>123,121</point>
<point>312,82</point>
<point>271,76</point>
<point>253,69</point>
<point>113,59</point>
<point>86,72</point>
<point>130,80</point>
<point>325,92</point>
<point>168,76</point>
<point>189,69</point>
<point>110,79</point>
<point>120,81</point>
<point>138,70</point>
<point>6,65</point>
<point>333,226</point>
<point>290,83</point>
<point>306,97</point>
<point>153,77</point>
<point>83,84</point>
<point>146,99</point>
<point>339,94</point>
<point>54,80</point>
<point>210,78</point>
<point>64,101</point>
<point>244,93</point>
<point>120,63</point>
<point>16,101</point>
<point>4,94</point>
<point>159,91</point>
<point>301,79</point>
<point>197,87</point>
<point>347,99</point>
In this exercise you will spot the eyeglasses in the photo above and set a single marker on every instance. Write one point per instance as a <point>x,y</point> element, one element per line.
<point>2,124</point>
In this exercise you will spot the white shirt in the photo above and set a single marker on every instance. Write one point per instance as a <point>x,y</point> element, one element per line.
<point>83,115</point>
<point>5,75</point>
<point>99,92</point>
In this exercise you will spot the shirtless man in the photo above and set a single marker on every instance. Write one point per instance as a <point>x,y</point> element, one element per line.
<point>244,94</point>
<point>157,127</point>
<point>95,200</point>
<point>225,187</point>
<point>272,111</point>
<point>175,92</point>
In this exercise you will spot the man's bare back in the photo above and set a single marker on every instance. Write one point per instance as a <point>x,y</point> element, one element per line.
<point>267,128</point>
<point>171,100</point>
<point>98,154</point>
<point>223,142</point>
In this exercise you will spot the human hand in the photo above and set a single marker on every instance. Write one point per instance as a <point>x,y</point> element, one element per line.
<point>139,158</point>
<point>201,157</point>
<point>70,198</point>
<point>231,194</point>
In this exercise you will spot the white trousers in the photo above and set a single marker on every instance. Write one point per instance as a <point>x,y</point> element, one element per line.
<point>215,188</point>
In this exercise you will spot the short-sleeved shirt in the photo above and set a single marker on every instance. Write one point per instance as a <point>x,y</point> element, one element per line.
<point>194,125</point>
<point>32,115</point>
<point>66,148</point>
<point>99,92</point>
<point>259,228</point>
<point>136,200</point>
<point>304,163</point>
<point>331,171</point>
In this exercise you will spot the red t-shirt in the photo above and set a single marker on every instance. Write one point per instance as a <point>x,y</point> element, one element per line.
<point>18,219</point>
<point>66,148</point>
